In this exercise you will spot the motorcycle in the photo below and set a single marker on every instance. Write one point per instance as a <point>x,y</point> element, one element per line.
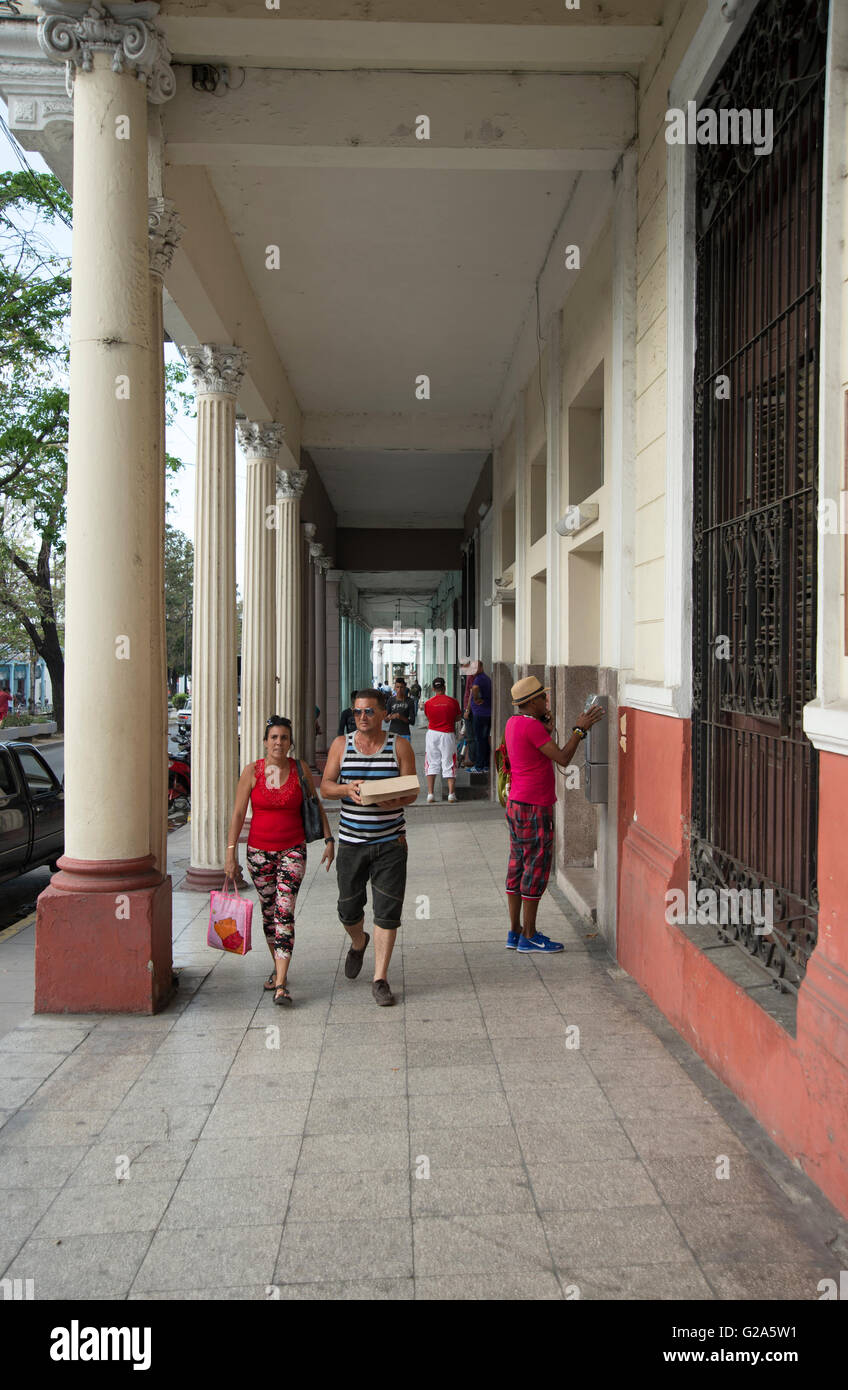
<point>179,782</point>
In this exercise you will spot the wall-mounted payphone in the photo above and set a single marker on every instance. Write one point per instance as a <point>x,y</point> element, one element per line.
<point>596,745</point>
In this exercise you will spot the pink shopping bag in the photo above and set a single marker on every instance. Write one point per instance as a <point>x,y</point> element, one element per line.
<point>229,922</point>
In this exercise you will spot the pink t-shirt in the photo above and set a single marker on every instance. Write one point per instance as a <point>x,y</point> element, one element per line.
<point>532,777</point>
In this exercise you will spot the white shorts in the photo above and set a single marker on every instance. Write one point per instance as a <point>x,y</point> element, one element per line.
<point>439,754</point>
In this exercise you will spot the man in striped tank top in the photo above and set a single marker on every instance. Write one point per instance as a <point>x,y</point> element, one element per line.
<point>372,839</point>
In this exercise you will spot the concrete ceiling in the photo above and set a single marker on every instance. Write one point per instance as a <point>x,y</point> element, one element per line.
<point>389,274</point>
<point>398,489</point>
<point>380,590</point>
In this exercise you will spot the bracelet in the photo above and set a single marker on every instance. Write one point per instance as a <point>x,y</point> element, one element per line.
<point>230,846</point>
<point>581,732</point>
<point>328,840</point>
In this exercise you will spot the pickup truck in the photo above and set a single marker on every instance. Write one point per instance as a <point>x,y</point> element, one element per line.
<point>32,811</point>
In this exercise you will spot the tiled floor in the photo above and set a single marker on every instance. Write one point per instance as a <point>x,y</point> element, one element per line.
<point>517,1127</point>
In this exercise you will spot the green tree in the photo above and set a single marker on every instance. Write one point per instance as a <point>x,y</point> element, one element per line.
<point>179,589</point>
<point>34,306</point>
<point>34,359</point>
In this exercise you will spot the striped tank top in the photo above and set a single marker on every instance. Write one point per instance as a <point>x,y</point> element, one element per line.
<point>368,824</point>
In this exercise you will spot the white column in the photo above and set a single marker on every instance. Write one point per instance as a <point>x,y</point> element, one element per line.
<point>260,444</point>
<point>164,232</point>
<point>290,485</point>
<point>103,939</point>
<point>307,747</point>
<point>112,485</point>
<point>322,564</point>
<point>335,695</point>
<point>218,372</point>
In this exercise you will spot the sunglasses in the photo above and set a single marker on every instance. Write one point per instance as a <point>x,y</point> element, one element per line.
<point>361,713</point>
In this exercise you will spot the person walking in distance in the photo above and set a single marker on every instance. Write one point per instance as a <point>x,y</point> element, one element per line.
<point>276,845</point>
<point>347,723</point>
<point>401,710</point>
<point>372,839</point>
<point>478,706</point>
<point>533,754</point>
<point>443,713</point>
<point>415,693</point>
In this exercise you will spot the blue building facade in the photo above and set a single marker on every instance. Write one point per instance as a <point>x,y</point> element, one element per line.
<point>16,675</point>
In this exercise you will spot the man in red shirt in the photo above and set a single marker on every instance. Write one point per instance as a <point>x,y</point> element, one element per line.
<point>442,713</point>
<point>532,755</point>
<point>5,701</point>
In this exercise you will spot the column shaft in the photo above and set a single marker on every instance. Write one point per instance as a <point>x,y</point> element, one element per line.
<point>290,485</point>
<point>325,737</point>
<point>112,487</point>
<point>164,231</point>
<point>260,443</point>
<point>309,701</point>
<point>214,739</point>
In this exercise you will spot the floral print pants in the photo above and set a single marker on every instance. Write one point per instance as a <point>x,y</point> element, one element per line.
<point>277,876</point>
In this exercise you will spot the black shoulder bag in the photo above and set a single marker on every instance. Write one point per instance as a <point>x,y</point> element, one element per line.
<point>311,811</point>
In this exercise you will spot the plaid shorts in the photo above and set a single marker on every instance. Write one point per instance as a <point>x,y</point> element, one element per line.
<point>531,848</point>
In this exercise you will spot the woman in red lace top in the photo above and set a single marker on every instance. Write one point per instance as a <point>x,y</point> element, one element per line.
<point>276,849</point>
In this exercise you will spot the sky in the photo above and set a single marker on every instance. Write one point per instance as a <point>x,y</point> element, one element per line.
<point>181,436</point>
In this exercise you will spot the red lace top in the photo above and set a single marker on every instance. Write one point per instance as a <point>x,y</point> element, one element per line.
<point>277,818</point>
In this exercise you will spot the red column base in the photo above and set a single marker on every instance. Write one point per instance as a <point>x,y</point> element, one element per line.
<point>103,939</point>
<point>208,880</point>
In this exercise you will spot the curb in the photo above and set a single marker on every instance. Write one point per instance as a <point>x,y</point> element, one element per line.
<point>16,927</point>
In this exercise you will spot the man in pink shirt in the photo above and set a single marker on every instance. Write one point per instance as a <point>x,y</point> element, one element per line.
<point>532,755</point>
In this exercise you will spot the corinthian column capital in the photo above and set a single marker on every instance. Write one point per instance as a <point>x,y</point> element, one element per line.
<point>260,439</point>
<point>315,551</point>
<point>164,231</point>
<point>291,483</point>
<point>72,31</point>
<point>324,563</point>
<point>216,370</point>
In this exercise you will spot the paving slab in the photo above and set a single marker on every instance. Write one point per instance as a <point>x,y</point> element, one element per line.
<point>656,1282</point>
<point>375,1193</point>
<point>101,1210</point>
<point>354,1152</point>
<point>80,1267</point>
<point>513,1242</point>
<point>209,1257</point>
<point>532,1285</point>
<point>613,1182</point>
<point>317,1251</point>
<point>195,1203</point>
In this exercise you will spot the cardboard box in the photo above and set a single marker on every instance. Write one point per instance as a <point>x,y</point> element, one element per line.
<point>387,789</point>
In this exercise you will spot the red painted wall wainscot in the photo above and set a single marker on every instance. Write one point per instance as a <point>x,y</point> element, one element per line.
<point>796,1087</point>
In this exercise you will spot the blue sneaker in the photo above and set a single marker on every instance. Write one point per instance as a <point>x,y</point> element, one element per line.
<point>512,940</point>
<point>538,943</point>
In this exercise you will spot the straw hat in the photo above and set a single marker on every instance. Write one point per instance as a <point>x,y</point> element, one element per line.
<point>525,689</point>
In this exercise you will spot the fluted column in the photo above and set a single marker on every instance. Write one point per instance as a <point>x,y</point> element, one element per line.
<point>103,937</point>
<point>218,372</point>
<point>164,233</point>
<point>336,702</point>
<point>322,564</point>
<point>290,485</point>
<point>313,549</point>
<point>344,651</point>
<point>260,443</point>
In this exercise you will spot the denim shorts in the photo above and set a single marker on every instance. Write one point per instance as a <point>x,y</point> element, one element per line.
<point>385,865</point>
